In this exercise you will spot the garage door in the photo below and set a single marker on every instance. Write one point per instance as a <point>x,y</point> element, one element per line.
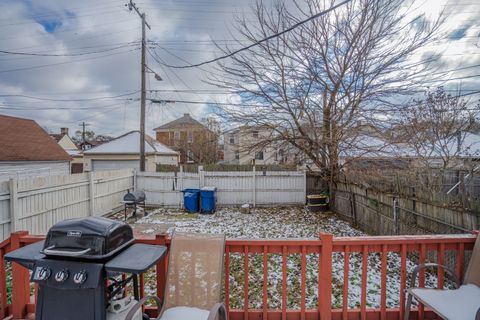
<point>102,165</point>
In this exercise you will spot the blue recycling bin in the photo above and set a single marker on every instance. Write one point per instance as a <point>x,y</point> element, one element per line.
<point>208,199</point>
<point>191,199</point>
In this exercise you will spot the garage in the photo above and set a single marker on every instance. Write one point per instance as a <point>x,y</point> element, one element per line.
<point>102,165</point>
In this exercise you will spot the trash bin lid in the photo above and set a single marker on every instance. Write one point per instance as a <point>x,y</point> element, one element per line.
<point>209,189</point>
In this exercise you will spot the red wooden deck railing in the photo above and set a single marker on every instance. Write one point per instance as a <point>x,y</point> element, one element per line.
<point>23,304</point>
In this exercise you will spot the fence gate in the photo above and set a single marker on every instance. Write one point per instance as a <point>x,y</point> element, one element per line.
<point>315,183</point>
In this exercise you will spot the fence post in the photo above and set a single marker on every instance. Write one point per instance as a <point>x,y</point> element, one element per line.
<point>325,277</point>
<point>254,186</point>
<point>14,218</point>
<point>201,177</point>
<point>161,269</point>
<point>395,216</point>
<point>20,281</point>
<point>135,182</point>
<point>304,185</point>
<point>91,193</point>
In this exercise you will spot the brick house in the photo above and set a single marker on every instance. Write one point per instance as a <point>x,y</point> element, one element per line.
<point>195,142</point>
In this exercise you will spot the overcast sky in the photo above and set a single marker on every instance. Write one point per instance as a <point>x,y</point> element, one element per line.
<point>97,44</point>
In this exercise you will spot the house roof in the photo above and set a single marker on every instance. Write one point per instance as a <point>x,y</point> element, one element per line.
<point>24,140</point>
<point>184,122</point>
<point>57,136</point>
<point>129,143</point>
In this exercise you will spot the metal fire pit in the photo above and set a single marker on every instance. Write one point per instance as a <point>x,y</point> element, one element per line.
<point>78,266</point>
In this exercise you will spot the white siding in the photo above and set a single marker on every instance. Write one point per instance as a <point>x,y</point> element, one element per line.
<point>25,169</point>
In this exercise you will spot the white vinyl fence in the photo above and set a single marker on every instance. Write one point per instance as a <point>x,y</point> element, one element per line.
<point>34,204</point>
<point>233,188</point>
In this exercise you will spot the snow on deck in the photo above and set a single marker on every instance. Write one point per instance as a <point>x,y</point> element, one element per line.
<point>274,223</point>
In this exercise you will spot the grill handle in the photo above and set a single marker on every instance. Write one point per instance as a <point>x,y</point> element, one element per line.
<point>51,250</point>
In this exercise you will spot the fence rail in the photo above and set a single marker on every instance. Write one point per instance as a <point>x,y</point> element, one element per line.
<point>325,267</point>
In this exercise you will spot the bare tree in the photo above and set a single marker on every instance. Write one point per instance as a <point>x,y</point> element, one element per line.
<point>312,85</point>
<point>435,132</point>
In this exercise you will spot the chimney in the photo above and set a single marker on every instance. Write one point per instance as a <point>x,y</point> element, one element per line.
<point>64,131</point>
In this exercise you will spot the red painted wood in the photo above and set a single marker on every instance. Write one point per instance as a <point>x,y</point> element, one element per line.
<point>421,278</point>
<point>325,246</point>
<point>303,285</point>
<point>20,281</point>
<point>227,279</point>
<point>383,285</point>
<point>284,282</point>
<point>325,279</point>
<point>3,285</point>
<point>346,269</point>
<point>441,261</point>
<point>403,278</point>
<point>459,265</point>
<point>363,299</point>
<point>245,282</point>
<point>265,282</point>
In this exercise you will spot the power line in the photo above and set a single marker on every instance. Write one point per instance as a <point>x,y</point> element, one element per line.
<point>65,54</point>
<point>296,25</point>
<point>68,100</point>
<point>66,62</point>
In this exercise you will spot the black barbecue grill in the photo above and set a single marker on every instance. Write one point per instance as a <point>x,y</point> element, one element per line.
<point>134,199</point>
<point>78,269</point>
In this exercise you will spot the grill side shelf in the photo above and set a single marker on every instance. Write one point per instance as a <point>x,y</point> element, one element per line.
<point>28,255</point>
<point>136,259</point>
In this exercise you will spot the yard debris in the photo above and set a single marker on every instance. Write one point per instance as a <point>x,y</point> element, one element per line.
<point>245,208</point>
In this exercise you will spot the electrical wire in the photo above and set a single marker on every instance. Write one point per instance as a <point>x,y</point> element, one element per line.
<point>66,54</point>
<point>275,35</point>
<point>68,100</point>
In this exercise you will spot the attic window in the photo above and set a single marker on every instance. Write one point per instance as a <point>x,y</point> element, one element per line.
<point>255,134</point>
<point>232,140</point>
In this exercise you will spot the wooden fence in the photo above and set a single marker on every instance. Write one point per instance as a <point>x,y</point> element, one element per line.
<point>34,204</point>
<point>258,188</point>
<point>383,213</point>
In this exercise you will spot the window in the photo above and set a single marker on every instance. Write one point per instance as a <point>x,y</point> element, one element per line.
<point>259,155</point>
<point>189,156</point>
<point>237,155</point>
<point>176,135</point>
<point>255,134</point>
<point>232,140</point>
<point>190,136</point>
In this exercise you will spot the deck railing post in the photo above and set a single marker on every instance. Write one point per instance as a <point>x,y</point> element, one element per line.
<point>325,277</point>
<point>20,281</point>
<point>161,270</point>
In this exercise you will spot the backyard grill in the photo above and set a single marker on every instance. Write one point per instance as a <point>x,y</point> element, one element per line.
<point>134,199</point>
<point>78,269</point>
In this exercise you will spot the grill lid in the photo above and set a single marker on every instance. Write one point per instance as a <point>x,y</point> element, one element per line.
<point>87,238</point>
<point>134,197</point>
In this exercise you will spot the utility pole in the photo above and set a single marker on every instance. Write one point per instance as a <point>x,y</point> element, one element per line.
<point>83,124</point>
<point>143,96</point>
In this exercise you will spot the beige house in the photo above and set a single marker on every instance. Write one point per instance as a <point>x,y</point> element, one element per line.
<point>244,145</point>
<point>64,141</point>
<point>124,152</point>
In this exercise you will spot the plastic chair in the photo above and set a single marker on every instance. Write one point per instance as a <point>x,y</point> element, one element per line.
<point>194,279</point>
<point>461,303</point>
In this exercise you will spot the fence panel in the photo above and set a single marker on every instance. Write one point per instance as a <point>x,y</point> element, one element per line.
<point>110,187</point>
<point>4,210</point>
<point>233,188</point>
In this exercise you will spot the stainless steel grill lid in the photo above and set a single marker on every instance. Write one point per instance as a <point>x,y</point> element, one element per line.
<point>87,238</point>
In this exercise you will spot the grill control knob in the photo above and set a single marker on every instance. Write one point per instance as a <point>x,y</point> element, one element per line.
<point>61,275</point>
<point>80,277</point>
<point>42,273</point>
